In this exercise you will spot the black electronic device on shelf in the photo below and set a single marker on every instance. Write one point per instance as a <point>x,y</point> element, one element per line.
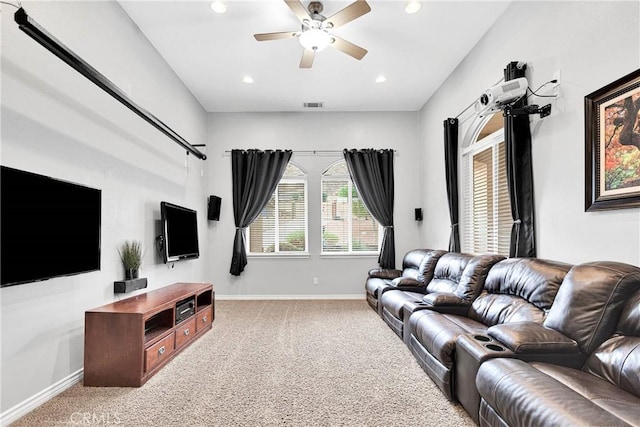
<point>185,309</point>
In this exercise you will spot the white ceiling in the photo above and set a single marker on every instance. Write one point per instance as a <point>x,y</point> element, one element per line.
<point>211,53</point>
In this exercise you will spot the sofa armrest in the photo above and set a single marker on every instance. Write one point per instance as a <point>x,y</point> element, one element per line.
<point>444,302</point>
<point>532,338</point>
<point>406,282</point>
<point>385,273</point>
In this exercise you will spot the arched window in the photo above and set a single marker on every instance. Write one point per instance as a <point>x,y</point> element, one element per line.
<point>282,225</point>
<point>487,211</point>
<point>347,225</point>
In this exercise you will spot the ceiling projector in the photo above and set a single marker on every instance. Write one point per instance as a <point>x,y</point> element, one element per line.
<point>504,93</point>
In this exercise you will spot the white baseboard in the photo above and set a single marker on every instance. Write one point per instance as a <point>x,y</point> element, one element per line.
<point>290,297</point>
<point>28,405</point>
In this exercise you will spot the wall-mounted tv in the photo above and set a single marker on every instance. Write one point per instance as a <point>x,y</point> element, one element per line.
<point>48,227</point>
<point>179,232</point>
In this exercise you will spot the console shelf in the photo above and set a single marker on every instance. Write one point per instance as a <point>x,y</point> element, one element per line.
<point>128,341</point>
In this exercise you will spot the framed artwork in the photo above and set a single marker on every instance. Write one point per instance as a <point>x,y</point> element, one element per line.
<point>612,145</point>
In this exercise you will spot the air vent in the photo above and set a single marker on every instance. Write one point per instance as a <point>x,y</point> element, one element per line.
<point>313,105</point>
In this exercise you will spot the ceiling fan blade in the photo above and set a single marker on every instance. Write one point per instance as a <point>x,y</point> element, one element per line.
<point>307,58</point>
<point>349,13</point>
<point>347,47</point>
<point>298,9</point>
<point>275,36</point>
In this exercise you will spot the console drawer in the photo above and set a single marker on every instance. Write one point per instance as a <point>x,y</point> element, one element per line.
<point>158,353</point>
<point>203,319</point>
<point>185,332</point>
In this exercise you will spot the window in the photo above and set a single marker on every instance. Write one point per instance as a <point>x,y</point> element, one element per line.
<point>487,211</point>
<point>281,227</point>
<point>347,225</point>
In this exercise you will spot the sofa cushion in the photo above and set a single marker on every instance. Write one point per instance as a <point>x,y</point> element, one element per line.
<point>428,265</point>
<point>394,300</point>
<point>447,272</point>
<point>544,394</point>
<point>438,333</point>
<point>517,290</point>
<point>495,309</point>
<point>617,360</point>
<point>604,394</point>
<point>474,276</point>
<point>629,323</point>
<point>590,302</point>
<point>374,284</point>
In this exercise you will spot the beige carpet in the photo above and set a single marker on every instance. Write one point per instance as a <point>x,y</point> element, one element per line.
<point>268,363</point>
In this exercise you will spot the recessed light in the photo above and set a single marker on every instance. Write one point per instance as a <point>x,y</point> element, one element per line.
<point>247,79</point>
<point>381,79</point>
<point>412,6</point>
<point>218,7</point>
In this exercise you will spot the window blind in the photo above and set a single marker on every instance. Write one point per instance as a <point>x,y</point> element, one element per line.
<point>282,224</point>
<point>347,225</point>
<point>487,209</point>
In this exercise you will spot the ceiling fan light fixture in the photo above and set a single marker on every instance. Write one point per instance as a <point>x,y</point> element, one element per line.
<point>412,7</point>
<point>316,40</point>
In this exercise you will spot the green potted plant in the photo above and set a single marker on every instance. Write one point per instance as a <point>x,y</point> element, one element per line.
<point>131,255</point>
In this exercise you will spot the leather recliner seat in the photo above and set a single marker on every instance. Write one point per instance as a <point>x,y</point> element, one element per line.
<point>417,270</point>
<point>597,309</point>
<point>458,276</point>
<point>516,290</point>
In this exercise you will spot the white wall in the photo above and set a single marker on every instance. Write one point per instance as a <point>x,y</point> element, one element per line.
<point>309,131</point>
<point>592,44</point>
<point>56,123</point>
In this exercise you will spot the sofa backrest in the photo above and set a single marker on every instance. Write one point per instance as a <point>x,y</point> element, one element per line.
<point>428,265</point>
<point>590,301</point>
<point>617,360</point>
<point>411,263</point>
<point>518,290</point>
<point>475,275</point>
<point>448,272</point>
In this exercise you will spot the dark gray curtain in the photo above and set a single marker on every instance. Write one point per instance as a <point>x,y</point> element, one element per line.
<point>517,134</point>
<point>255,175</point>
<point>451,170</point>
<point>372,173</point>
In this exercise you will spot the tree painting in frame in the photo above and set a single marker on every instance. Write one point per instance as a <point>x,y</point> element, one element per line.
<point>612,145</point>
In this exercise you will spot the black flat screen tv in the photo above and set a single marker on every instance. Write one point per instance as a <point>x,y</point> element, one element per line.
<point>49,227</point>
<point>179,232</point>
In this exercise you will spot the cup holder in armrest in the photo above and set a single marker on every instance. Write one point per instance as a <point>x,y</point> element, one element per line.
<point>494,347</point>
<point>482,338</point>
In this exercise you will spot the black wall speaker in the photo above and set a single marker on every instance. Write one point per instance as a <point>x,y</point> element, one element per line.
<point>418,214</point>
<point>213,209</point>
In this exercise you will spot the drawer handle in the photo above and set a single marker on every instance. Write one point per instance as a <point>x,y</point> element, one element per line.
<point>204,319</point>
<point>161,350</point>
<point>186,332</point>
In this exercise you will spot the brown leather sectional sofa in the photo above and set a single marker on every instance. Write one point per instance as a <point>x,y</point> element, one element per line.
<point>417,270</point>
<point>532,342</point>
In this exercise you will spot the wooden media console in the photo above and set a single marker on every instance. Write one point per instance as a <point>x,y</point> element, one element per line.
<point>128,341</point>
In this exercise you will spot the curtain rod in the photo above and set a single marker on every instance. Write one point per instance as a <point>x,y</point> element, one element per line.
<point>40,35</point>
<point>310,151</point>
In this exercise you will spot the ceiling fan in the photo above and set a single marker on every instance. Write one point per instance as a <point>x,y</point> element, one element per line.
<point>316,33</point>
